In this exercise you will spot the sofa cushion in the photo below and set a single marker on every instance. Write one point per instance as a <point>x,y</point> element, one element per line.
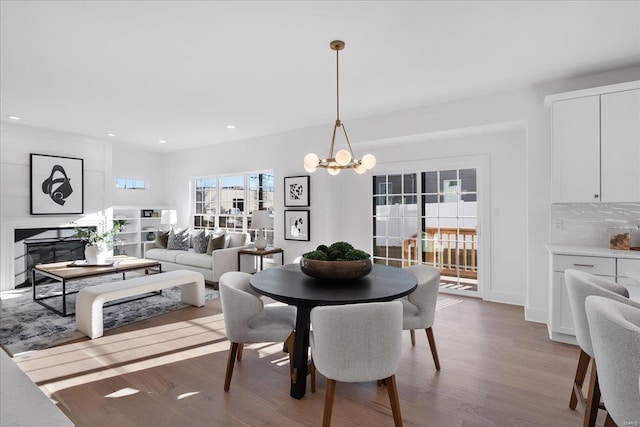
<point>178,240</point>
<point>162,254</point>
<point>237,239</point>
<point>162,239</point>
<point>194,259</point>
<point>215,242</point>
<point>200,242</point>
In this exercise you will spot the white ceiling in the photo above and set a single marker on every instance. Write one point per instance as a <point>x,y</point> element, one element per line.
<point>182,71</point>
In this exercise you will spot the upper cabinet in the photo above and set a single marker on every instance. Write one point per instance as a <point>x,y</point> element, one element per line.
<point>595,137</point>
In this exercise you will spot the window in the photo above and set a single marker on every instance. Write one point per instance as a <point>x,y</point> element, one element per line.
<point>227,201</point>
<point>130,184</point>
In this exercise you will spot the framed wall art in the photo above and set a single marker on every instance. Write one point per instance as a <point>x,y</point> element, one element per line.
<point>56,185</point>
<point>296,225</point>
<point>296,191</point>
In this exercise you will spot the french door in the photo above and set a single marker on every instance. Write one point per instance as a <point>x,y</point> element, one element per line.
<point>432,215</point>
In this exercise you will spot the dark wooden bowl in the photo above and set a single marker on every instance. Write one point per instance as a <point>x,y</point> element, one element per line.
<point>341,270</point>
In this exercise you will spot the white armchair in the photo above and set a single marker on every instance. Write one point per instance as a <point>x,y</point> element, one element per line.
<point>247,320</point>
<point>419,308</point>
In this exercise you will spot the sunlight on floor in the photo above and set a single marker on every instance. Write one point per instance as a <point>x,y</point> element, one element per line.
<point>58,368</point>
<point>185,395</point>
<point>127,391</point>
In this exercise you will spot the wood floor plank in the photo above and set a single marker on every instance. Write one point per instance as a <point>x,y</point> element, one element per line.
<point>497,370</point>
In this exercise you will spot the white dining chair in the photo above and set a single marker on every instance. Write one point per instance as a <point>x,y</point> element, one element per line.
<point>357,343</point>
<point>419,308</point>
<point>247,320</point>
<point>615,335</point>
<point>580,285</point>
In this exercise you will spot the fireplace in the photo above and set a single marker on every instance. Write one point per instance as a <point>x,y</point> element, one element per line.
<point>45,245</point>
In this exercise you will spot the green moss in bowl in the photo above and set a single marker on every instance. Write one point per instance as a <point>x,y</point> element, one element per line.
<point>338,261</point>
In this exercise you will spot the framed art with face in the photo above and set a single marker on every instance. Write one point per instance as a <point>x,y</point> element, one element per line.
<point>296,225</point>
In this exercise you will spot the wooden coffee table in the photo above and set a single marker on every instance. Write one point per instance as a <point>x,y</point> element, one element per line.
<point>67,271</point>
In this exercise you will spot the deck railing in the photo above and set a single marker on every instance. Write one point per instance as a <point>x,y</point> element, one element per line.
<point>452,250</point>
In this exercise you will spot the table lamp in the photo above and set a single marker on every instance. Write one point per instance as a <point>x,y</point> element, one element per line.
<point>168,217</point>
<point>260,221</point>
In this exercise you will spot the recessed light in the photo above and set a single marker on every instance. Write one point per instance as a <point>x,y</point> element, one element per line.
<point>15,118</point>
<point>111,134</point>
<point>162,141</point>
<point>231,127</point>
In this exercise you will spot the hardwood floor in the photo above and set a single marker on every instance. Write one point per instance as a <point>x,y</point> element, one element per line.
<point>497,370</point>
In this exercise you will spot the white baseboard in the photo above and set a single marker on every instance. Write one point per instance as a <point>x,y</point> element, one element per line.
<point>535,315</point>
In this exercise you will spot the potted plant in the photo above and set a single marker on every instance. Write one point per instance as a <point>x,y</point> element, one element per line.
<point>337,261</point>
<point>97,243</point>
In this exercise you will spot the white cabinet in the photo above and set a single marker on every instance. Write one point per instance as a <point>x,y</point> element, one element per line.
<point>561,319</point>
<point>595,144</point>
<point>619,266</point>
<point>629,276</point>
<point>620,146</point>
<point>575,128</point>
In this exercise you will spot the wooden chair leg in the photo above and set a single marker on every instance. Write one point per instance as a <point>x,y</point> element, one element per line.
<point>289,343</point>
<point>608,422</point>
<point>434,350</point>
<point>593,398</point>
<point>312,372</point>
<point>240,348</point>
<point>230,362</point>
<point>393,399</point>
<point>413,337</point>
<point>581,373</point>
<point>328,402</point>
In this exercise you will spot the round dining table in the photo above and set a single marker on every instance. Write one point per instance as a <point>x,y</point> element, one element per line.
<point>290,285</point>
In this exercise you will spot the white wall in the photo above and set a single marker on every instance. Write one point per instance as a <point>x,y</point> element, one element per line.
<point>506,152</point>
<point>18,141</point>
<point>132,163</point>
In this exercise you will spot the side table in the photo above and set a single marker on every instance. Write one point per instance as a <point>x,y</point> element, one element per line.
<point>261,253</point>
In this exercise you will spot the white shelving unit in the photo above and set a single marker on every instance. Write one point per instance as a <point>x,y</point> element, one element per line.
<point>142,225</point>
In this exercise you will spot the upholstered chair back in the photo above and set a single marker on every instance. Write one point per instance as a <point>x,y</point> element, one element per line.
<point>421,312</point>
<point>615,334</point>
<point>579,286</point>
<point>357,342</point>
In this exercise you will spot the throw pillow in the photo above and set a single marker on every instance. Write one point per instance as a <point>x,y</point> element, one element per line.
<point>178,240</point>
<point>237,239</point>
<point>200,242</point>
<point>215,242</point>
<point>161,240</point>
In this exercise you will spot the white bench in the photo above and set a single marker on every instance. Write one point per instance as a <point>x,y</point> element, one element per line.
<point>90,300</point>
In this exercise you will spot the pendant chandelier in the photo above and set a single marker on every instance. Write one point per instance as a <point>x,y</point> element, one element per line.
<point>343,159</point>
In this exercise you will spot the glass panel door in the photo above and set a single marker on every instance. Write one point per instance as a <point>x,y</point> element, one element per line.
<point>449,222</point>
<point>430,217</point>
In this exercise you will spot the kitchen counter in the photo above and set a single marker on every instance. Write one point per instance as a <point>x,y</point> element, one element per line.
<point>557,249</point>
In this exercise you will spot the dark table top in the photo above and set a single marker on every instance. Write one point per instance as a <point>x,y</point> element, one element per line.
<point>290,285</point>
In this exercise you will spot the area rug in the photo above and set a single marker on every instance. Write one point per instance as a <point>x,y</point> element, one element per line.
<point>27,326</point>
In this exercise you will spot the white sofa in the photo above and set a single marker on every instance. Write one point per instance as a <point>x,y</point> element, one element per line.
<point>211,266</point>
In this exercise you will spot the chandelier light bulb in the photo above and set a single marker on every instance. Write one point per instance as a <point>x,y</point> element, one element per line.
<point>369,161</point>
<point>333,171</point>
<point>343,157</point>
<point>310,169</point>
<point>360,169</point>
<point>311,160</point>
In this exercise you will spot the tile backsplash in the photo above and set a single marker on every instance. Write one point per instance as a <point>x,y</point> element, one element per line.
<point>589,224</point>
